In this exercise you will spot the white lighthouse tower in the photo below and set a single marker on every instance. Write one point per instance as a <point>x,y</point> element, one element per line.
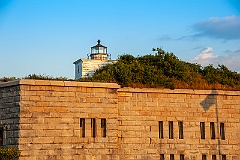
<point>98,58</point>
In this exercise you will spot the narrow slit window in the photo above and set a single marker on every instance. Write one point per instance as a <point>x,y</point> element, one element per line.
<point>214,157</point>
<point>161,156</point>
<point>104,127</point>
<point>1,137</point>
<point>204,157</point>
<point>212,130</point>
<point>160,128</point>
<point>82,127</point>
<point>202,130</point>
<point>180,127</point>
<point>224,157</point>
<point>222,131</point>
<point>170,129</point>
<point>181,156</point>
<point>171,156</point>
<point>93,127</point>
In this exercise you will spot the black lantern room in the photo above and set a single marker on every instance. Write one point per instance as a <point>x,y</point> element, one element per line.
<point>99,52</point>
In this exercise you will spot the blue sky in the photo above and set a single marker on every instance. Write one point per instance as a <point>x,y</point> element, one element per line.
<point>47,36</point>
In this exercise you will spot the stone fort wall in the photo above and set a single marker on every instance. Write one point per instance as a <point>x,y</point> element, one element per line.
<point>155,123</point>
<point>85,120</point>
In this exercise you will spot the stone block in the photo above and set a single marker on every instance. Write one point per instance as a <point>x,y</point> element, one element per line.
<point>67,133</point>
<point>124,94</point>
<point>52,120</point>
<point>27,133</point>
<point>27,82</point>
<point>93,100</point>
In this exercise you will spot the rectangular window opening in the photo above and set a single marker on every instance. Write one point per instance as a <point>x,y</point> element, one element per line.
<point>104,127</point>
<point>214,157</point>
<point>212,130</point>
<point>180,126</point>
<point>93,127</point>
<point>202,130</point>
<point>160,128</point>
<point>161,156</point>
<point>204,157</point>
<point>224,157</point>
<point>170,129</point>
<point>222,131</point>
<point>181,156</point>
<point>171,156</point>
<point>82,127</point>
<point>1,137</point>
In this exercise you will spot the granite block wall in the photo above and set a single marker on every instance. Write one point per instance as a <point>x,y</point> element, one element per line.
<point>84,120</point>
<point>144,113</point>
<point>49,120</point>
<point>9,114</point>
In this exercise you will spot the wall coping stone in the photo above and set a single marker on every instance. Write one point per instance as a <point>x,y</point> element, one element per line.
<point>59,83</point>
<point>115,86</point>
<point>179,91</point>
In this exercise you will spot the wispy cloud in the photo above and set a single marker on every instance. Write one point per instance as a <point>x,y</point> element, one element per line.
<point>226,28</point>
<point>165,38</point>
<point>231,59</point>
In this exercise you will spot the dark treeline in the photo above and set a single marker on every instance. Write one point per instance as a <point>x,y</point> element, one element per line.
<point>34,76</point>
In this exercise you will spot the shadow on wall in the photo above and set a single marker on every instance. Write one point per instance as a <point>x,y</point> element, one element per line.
<point>9,116</point>
<point>209,101</point>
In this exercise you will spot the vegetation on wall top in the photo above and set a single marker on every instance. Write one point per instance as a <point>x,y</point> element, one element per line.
<point>165,70</point>
<point>34,76</point>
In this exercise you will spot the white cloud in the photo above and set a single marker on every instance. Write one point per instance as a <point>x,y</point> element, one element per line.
<point>205,54</point>
<point>205,57</point>
<point>231,59</point>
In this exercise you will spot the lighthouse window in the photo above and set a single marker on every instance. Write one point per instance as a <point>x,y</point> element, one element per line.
<point>100,50</point>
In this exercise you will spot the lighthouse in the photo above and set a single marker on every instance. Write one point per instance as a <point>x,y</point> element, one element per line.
<point>97,58</point>
<point>99,52</point>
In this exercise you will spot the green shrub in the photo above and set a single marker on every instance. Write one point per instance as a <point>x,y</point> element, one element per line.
<point>9,153</point>
<point>6,79</point>
<point>35,76</point>
<point>45,77</point>
<point>165,70</point>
